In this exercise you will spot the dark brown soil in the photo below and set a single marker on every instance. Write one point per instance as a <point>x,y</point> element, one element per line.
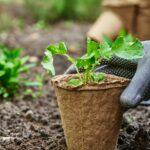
<point>35,124</point>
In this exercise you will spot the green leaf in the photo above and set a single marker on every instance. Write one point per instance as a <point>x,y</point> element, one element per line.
<point>26,67</point>
<point>105,51</point>
<point>81,63</point>
<point>129,39</point>
<point>2,90</point>
<point>9,65</point>
<point>92,49</point>
<point>2,73</point>
<point>47,63</point>
<point>75,82</point>
<point>107,40</point>
<point>128,48</point>
<point>34,84</point>
<point>123,33</point>
<point>13,80</point>
<point>136,50</point>
<point>117,44</point>
<point>53,49</point>
<point>12,54</point>
<point>85,62</point>
<point>92,46</point>
<point>24,59</point>
<point>97,77</point>
<point>5,95</point>
<point>61,49</point>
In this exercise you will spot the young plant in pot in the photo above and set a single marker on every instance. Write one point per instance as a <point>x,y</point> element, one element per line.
<point>89,102</point>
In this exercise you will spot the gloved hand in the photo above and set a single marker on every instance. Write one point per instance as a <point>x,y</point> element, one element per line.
<point>139,87</point>
<point>137,70</point>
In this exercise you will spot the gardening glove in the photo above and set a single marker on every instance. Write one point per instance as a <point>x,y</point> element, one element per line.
<point>139,88</point>
<point>137,70</point>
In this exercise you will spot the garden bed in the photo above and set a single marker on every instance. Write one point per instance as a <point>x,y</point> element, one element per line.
<point>35,124</point>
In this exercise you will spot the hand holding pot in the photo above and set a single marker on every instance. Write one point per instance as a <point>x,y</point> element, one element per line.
<point>138,70</point>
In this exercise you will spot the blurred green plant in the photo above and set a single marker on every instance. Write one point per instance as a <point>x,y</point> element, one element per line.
<point>8,22</point>
<point>52,10</point>
<point>12,65</point>
<point>47,10</point>
<point>87,9</point>
<point>5,1</point>
<point>41,25</point>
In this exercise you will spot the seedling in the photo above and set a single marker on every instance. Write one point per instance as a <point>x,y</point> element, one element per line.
<point>12,65</point>
<point>97,104</point>
<point>125,46</point>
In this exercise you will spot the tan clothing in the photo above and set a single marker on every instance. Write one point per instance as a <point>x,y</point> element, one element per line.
<point>120,2</point>
<point>125,2</point>
<point>133,15</point>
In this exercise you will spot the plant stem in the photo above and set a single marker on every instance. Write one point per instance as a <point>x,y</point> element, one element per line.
<point>74,63</point>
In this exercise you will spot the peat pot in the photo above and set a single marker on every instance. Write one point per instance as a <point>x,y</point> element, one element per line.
<point>91,114</point>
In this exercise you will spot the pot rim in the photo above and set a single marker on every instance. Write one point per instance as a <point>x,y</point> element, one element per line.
<point>111,81</point>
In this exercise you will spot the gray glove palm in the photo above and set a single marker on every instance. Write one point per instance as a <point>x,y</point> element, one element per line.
<point>139,71</point>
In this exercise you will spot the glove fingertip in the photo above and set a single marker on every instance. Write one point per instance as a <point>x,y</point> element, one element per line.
<point>128,102</point>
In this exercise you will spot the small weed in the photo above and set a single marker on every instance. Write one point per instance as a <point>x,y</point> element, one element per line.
<point>8,22</point>
<point>53,10</point>
<point>41,25</point>
<point>12,67</point>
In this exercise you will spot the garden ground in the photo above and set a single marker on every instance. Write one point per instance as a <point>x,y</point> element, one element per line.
<point>27,124</point>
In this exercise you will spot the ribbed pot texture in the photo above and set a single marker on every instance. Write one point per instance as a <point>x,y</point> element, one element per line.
<point>91,115</point>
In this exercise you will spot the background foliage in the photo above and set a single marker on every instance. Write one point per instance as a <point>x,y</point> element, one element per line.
<point>50,10</point>
<point>12,67</point>
<point>18,13</point>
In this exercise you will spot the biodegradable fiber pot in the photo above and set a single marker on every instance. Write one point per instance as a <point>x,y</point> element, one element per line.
<point>91,114</point>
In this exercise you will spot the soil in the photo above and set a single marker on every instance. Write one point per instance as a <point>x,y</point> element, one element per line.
<point>28,124</point>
